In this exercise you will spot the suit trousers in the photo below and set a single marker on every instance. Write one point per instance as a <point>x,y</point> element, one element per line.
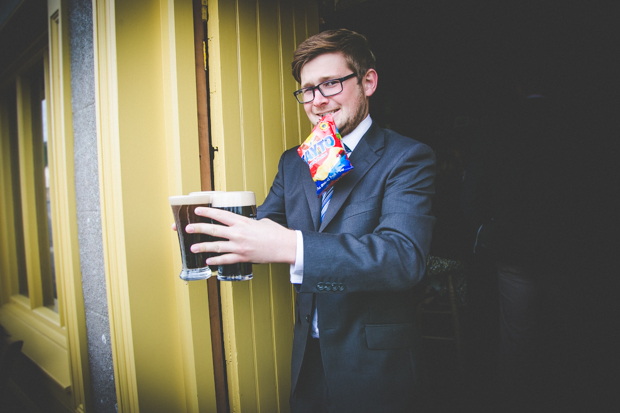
<point>520,303</point>
<point>310,395</point>
<point>541,340</point>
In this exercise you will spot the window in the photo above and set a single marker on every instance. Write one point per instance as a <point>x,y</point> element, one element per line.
<point>40,283</point>
<point>25,113</point>
<point>33,211</point>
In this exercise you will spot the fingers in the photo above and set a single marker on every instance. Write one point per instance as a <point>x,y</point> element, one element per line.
<point>208,229</point>
<point>245,240</point>
<point>219,247</point>
<point>231,223</point>
<point>216,246</point>
<point>224,259</point>
<point>225,217</point>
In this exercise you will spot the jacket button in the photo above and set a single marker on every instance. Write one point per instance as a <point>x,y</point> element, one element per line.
<point>341,287</point>
<point>307,319</point>
<point>320,286</point>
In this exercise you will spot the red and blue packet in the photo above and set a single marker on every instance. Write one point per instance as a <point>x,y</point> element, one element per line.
<point>325,155</point>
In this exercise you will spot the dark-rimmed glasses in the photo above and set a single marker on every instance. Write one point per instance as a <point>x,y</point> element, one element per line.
<point>328,88</point>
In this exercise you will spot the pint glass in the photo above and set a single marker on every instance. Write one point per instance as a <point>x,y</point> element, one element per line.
<point>194,265</point>
<point>242,203</point>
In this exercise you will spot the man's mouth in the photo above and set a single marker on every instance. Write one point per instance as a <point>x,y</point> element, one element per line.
<point>327,113</point>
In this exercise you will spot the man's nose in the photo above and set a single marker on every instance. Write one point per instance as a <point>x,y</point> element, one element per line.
<point>319,99</point>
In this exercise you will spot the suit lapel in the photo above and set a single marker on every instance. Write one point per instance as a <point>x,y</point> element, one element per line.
<point>363,158</point>
<point>314,201</point>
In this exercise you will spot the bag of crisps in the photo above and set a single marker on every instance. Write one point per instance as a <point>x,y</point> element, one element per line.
<point>324,154</point>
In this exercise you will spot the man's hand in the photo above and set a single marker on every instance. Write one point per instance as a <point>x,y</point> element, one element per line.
<point>260,242</point>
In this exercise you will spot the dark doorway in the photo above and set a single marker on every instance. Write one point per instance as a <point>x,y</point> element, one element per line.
<point>447,70</point>
<point>439,61</point>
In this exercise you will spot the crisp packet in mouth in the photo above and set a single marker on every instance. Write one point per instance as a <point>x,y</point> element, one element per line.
<point>323,152</point>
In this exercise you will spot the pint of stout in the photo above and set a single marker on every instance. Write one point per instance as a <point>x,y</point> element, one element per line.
<point>242,203</point>
<point>194,265</point>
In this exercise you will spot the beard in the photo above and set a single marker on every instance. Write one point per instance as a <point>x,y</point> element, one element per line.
<point>356,118</point>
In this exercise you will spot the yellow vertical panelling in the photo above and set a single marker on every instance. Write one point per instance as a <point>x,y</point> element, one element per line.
<point>273,122</point>
<point>254,118</point>
<point>250,94</point>
<point>249,325</point>
<point>142,153</point>
<point>179,83</point>
<point>148,147</point>
<point>276,93</point>
<point>225,122</point>
<point>293,113</point>
<point>226,117</point>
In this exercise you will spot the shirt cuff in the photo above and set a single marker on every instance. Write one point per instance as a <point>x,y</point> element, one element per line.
<point>297,269</point>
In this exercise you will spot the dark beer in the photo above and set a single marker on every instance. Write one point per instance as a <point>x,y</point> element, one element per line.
<point>242,203</point>
<point>194,265</point>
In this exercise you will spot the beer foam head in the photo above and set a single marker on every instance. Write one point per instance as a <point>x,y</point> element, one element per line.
<point>205,192</point>
<point>198,198</point>
<point>234,199</point>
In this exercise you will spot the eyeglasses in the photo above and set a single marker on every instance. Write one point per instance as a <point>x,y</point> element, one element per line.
<point>328,88</point>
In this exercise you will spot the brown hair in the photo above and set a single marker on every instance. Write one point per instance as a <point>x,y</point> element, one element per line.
<point>352,45</point>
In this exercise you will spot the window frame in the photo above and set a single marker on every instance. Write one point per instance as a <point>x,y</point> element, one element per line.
<point>25,316</point>
<point>54,339</point>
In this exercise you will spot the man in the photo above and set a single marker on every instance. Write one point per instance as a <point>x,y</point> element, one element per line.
<point>355,338</point>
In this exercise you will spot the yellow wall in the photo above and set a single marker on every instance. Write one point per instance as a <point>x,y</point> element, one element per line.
<point>148,146</point>
<point>254,118</point>
<point>148,149</point>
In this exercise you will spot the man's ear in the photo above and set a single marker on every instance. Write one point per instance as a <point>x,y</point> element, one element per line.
<point>369,82</point>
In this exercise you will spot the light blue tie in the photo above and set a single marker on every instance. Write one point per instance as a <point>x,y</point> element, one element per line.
<point>328,194</point>
<point>325,201</point>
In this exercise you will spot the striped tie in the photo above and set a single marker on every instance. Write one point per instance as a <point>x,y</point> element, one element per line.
<point>328,194</point>
<point>325,201</point>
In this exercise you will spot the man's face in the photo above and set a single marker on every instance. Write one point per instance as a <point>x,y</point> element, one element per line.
<point>349,107</point>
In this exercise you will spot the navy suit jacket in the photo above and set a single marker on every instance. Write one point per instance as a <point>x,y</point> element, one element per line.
<point>361,264</point>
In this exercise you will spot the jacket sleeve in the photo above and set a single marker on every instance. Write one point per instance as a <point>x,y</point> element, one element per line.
<point>274,206</point>
<point>392,255</point>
